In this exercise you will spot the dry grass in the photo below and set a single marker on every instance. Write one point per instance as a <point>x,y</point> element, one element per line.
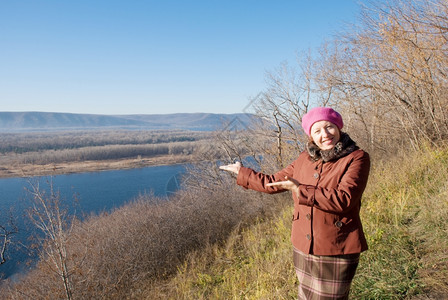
<point>406,219</point>
<point>254,263</point>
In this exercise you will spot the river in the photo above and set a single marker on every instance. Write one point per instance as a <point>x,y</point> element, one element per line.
<point>94,192</point>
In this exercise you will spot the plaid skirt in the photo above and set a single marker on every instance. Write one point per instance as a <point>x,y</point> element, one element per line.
<point>324,277</point>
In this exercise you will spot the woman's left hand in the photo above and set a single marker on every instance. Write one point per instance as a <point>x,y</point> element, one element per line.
<point>289,184</point>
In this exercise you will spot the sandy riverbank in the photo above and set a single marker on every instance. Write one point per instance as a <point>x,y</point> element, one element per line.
<point>28,170</point>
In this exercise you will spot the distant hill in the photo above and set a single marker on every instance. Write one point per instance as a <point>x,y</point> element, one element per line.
<point>36,121</point>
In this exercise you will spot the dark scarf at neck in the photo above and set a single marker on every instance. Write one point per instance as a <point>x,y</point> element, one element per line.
<point>342,148</point>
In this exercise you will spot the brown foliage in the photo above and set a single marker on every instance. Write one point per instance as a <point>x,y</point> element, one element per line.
<point>387,76</point>
<point>390,76</point>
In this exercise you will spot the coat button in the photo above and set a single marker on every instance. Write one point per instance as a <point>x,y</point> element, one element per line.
<point>308,236</point>
<point>338,224</point>
<point>308,216</point>
<point>316,175</point>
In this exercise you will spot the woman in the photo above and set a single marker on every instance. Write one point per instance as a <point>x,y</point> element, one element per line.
<point>327,181</point>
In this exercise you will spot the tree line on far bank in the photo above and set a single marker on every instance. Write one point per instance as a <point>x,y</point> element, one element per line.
<point>23,142</point>
<point>77,146</point>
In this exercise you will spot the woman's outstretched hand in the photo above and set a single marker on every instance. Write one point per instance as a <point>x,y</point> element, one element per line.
<point>234,168</point>
<point>289,184</point>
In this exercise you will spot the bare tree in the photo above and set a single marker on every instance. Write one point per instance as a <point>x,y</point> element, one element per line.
<point>286,99</point>
<point>390,76</point>
<point>6,232</point>
<point>56,225</point>
<point>288,96</point>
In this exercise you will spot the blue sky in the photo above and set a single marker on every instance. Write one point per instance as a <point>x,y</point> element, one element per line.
<point>154,57</point>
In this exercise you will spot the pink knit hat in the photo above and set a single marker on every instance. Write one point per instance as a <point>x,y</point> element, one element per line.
<point>321,114</point>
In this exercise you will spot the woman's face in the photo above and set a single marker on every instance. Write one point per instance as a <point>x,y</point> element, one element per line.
<point>325,134</point>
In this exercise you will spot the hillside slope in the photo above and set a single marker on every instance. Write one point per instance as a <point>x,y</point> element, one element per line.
<point>405,213</point>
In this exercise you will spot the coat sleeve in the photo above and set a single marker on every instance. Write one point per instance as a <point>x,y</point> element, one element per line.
<point>250,179</point>
<point>348,192</point>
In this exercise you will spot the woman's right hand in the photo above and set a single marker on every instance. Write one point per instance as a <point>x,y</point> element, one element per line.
<point>234,168</point>
<point>289,184</point>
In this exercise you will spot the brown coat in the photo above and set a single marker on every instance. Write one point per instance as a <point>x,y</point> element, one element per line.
<point>326,210</point>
